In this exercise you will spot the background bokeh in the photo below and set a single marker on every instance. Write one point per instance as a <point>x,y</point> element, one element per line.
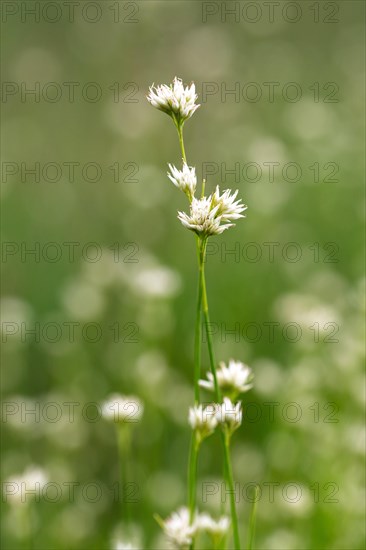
<point>133,290</point>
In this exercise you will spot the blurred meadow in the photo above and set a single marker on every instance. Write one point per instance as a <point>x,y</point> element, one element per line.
<point>99,277</point>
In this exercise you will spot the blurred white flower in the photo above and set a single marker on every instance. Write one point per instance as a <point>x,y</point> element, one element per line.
<point>207,213</point>
<point>122,408</point>
<point>203,420</point>
<point>178,529</point>
<point>233,379</point>
<point>123,545</point>
<point>156,282</point>
<point>184,179</point>
<point>22,487</point>
<point>217,529</point>
<point>175,100</point>
<point>229,414</point>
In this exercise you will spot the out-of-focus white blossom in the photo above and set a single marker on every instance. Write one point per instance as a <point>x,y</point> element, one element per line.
<point>177,101</point>
<point>122,408</point>
<point>184,179</point>
<point>229,414</point>
<point>233,379</point>
<point>124,545</point>
<point>203,420</point>
<point>26,486</point>
<point>217,529</point>
<point>179,530</point>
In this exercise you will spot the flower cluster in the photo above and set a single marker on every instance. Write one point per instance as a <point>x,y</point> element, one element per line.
<point>177,101</point>
<point>203,420</point>
<point>180,531</point>
<point>233,379</point>
<point>209,215</point>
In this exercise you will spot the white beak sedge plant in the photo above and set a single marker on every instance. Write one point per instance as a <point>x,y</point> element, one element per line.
<point>208,215</point>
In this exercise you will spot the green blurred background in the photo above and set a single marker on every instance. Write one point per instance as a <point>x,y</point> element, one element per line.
<point>139,276</point>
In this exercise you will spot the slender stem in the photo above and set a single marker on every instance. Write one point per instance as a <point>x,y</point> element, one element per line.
<point>181,141</point>
<point>230,480</point>
<point>192,475</point>
<point>198,332</point>
<point>206,316</point>
<point>252,520</point>
<point>124,441</point>
<point>227,464</point>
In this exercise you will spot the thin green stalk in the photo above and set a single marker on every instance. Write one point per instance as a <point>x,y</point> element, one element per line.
<point>192,476</point>
<point>227,464</point>
<point>252,520</point>
<point>124,442</point>
<point>198,333</point>
<point>230,480</point>
<point>181,141</point>
<point>206,316</point>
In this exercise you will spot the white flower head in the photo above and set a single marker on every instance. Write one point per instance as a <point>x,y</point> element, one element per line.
<point>202,218</point>
<point>217,529</point>
<point>233,379</point>
<point>177,101</point>
<point>122,408</point>
<point>229,415</point>
<point>203,420</point>
<point>228,207</point>
<point>179,530</point>
<point>209,215</point>
<point>184,179</point>
<point>26,486</point>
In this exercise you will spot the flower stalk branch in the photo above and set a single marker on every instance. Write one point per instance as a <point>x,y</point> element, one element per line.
<point>208,215</point>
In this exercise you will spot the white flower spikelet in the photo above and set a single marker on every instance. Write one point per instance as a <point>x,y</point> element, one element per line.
<point>184,179</point>
<point>229,415</point>
<point>122,408</point>
<point>201,218</point>
<point>233,379</point>
<point>209,215</point>
<point>228,207</point>
<point>178,529</point>
<point>176,100</point>
<point>203,420</point>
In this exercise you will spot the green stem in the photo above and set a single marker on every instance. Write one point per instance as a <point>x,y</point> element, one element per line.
<point>227,464</point>
<point>252,520</point>
<point>230,480</point>
<point>181,141</point>
<point>192,476</point>
<point>198,331</point>
<point>206,316</point>
<point>124,442</point>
